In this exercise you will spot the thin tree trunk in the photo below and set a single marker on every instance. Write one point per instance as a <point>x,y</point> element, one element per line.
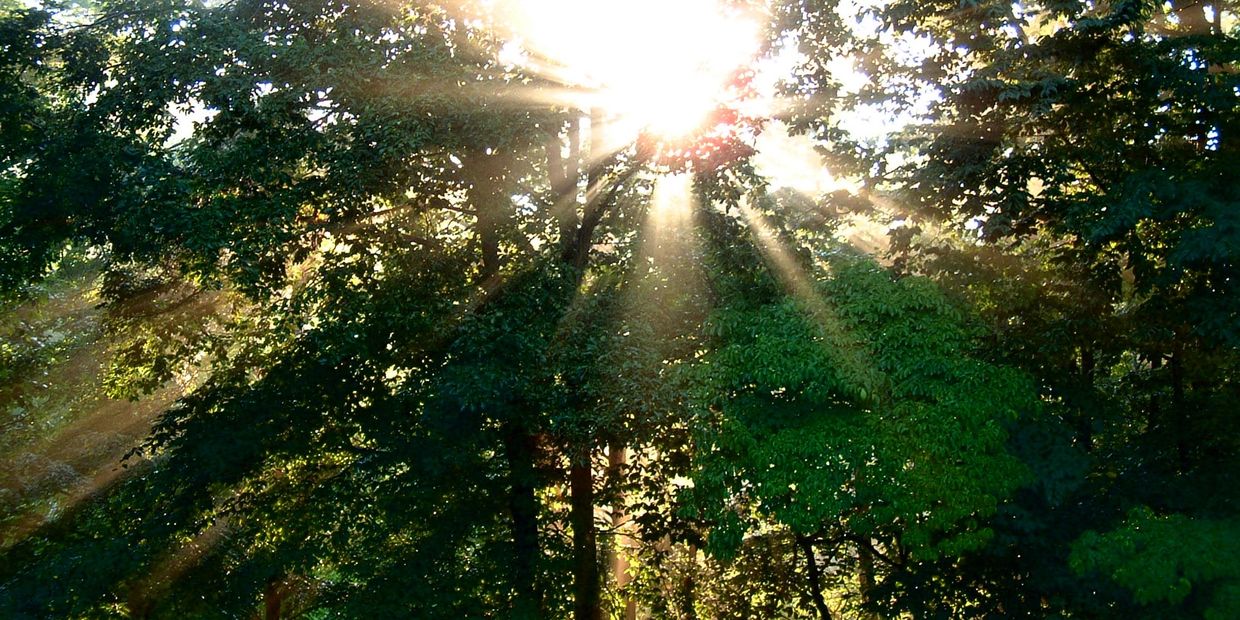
<point>486,172</point>
<point>815,577</point>
<point>1155,421</point>
<point>586,587</point>
<point>564,175</point>
<point>617,458</point>
<point>519,447</point>
<point>273,600</point>
<point>865,579</point>
<point>688,589</point>
<point>576,251</point>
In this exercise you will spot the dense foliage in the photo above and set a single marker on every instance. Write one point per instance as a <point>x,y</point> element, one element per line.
<point>424,343</point>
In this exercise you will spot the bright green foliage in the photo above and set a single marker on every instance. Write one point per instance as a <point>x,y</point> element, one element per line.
<point>1068,172</point>
<point>910,450</point>
<point>925,451</point>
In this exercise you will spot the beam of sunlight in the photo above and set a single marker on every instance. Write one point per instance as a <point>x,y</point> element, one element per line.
<point>85,434</point>
<point>146,592</point>
<point>668,219</point>
<point>848,352</point>
<point>792,161</point>
<point>667,275</point>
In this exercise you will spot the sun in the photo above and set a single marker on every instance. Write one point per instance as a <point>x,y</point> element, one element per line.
<point>655,67</point>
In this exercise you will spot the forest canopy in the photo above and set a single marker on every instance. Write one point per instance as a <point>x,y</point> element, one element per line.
<point>553,308</point>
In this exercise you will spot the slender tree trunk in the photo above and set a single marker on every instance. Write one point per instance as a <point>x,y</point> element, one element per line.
<point>865,579</point>
<point>576,250</point>
<point>576,237</point>
<point>519,447</point>
<point>586,587</point>
<point>1155,421</point>
<point>688,589</point>
<point>617,459</point>
<point>815,577</point>
<point>564,175</point>
<point>273,600</point>
<point>487,172</point>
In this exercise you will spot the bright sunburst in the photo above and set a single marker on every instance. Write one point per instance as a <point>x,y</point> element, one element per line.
<point>656,66</point>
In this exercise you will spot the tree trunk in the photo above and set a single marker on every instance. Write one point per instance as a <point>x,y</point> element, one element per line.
<point>576,250</point>
<point>586,587</point>
<point>1154,421</point>
<point>273,599</point>
<point>519,447</point>
<point>486,172</point>
<point>564,175</point>
<point>815,577</point>
<point>688,589</point>
<point>617,458</point>
<point>865,579</point>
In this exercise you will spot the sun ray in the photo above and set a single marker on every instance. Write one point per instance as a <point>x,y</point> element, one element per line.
<point>851,354</point>
<point>669,217</point>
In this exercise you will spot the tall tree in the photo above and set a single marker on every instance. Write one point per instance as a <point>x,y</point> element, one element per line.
<point>1067,171</point>
<point>463,300</point>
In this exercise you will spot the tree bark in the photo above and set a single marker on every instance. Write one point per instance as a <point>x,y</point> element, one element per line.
<point>273,599</point>
<point>576,238</point>
<point>519,447</point>
<point>815,577</point>
<point>865,579</point>
<point>617,459</point>
<point>1154,421</point>
<point>486,173</point>
<point>576,248</point>
<point>586,587</point>
<point>564,176</point>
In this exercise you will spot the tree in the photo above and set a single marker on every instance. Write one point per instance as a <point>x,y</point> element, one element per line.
<point>476,346</point>
<point>1067,172</point>
<point>353,181</point>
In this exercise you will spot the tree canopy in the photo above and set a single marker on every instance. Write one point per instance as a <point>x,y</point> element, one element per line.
<point>395,309</point>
